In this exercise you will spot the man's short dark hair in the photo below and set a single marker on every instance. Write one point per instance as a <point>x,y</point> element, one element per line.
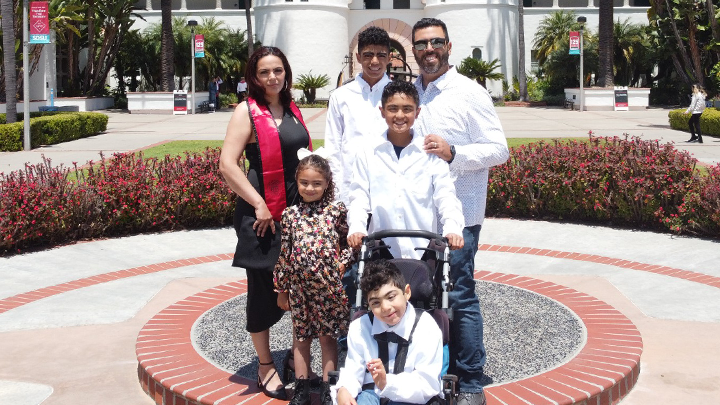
<point>373,36</point>
<point>430,22</point>
<point>379,273</point>
<point>400,87</point>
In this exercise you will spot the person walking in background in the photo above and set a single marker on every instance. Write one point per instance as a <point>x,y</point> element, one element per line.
<point>241,90</point>
<point>313,257</point>
<point>218,82</point>
<point>697,106</point>
<point>212,94</point>
<point>270,130</point>
<point>460,126</point>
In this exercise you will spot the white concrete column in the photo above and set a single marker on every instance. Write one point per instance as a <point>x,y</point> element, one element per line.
<point>556,4</point>
<point>148,5</point>
<point>590,3</point>
<point>183,5</point>
<point>218,4</point>
<point>626,3</point>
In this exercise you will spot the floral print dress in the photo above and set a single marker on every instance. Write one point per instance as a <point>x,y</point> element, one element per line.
<point>313,245</point>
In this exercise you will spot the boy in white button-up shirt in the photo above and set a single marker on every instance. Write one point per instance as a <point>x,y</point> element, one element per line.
<point>364,379</point>
<point>401,185</point>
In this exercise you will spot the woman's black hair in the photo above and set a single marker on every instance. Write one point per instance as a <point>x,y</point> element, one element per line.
<point>255,89</point>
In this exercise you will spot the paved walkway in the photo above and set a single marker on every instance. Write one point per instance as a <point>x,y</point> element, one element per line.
<point>64,341</point>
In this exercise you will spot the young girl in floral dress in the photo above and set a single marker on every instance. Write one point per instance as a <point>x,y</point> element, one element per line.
<point>313,257</point>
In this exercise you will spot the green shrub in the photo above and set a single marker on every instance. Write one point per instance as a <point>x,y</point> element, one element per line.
<point>52,128</point>
<point>709,121</point>
<point>227,99</point>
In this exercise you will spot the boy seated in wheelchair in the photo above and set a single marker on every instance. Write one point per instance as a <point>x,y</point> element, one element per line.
<point>395,352</point>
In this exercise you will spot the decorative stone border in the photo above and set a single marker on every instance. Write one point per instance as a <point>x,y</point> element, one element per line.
<point>605,370</point>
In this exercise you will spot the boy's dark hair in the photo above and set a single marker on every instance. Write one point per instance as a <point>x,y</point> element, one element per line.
<point>373,36</point>
<point>379,273</point>
<point>430,22</point>
<point>322,166</point>
<point>400,87</point>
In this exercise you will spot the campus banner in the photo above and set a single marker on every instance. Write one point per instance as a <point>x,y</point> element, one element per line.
<point>199,46</point>
<point>574,43</point>
<point>39,22</point>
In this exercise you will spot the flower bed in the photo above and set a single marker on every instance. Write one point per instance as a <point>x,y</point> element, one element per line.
<point>609,181</point>
<point>41,207</point>
<point>612,181</point>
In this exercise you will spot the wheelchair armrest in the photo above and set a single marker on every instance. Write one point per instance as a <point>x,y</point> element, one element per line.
<point>334,375</point>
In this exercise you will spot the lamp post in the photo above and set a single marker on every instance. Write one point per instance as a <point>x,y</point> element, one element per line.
<point>581,20</point>
<point>192,24</point>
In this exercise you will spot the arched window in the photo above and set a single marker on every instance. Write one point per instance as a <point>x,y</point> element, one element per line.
<point>477,53</point>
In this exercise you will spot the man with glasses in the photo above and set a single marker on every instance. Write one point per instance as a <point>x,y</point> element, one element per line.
<point>461,126</point>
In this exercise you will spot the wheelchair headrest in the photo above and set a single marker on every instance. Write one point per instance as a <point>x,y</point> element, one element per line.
<point>418,275</point>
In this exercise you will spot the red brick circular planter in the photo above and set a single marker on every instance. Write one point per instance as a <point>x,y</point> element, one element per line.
<point>172,372</point>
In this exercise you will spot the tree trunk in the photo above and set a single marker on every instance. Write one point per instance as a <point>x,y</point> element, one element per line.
<point>249,31</point>
<point>167,47</point>
<point>680,43</point>
<point>91,46</point>
<point>695,52</point>
<point>522,80</point>
<point>9,69</point>
<point>605,44</point>
<point>713,23</point>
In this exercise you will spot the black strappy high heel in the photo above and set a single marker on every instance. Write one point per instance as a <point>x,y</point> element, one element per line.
<point>289,370</point>
<point>278,393</point>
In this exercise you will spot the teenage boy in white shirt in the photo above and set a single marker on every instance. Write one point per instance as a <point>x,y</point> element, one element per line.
<point>401,185</point>
<point>352,115</point>
<point>364,379</point>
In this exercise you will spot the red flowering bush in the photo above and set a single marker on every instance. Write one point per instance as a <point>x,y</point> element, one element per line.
<point>626,182</point>
<point>41,206</point>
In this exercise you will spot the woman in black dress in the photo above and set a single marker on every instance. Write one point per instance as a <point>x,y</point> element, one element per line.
<point>269,129</point>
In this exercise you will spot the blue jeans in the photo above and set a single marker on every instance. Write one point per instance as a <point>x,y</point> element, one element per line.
<point>369,397</point>
<point>467,351</point>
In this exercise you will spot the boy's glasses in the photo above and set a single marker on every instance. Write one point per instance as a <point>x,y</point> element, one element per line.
<point>435,43</point>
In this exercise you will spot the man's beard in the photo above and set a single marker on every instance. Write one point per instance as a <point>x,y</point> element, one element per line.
<point>442,58</point>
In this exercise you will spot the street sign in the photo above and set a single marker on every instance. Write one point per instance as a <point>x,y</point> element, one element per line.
<point>199,46</point>
<point>39,23</point>
<point>574,43</point>
<point>180,102</point>
<point>621,98</point>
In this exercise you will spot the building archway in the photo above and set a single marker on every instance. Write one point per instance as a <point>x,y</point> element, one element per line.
<point>400,38</point>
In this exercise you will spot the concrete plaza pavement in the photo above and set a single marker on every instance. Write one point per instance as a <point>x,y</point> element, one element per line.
<point>78,346</point>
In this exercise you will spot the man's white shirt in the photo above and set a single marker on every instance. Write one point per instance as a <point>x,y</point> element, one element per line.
<point>353,117</point>
<point>402,194</point>
<point>420,379</point>
<point>461,112</point>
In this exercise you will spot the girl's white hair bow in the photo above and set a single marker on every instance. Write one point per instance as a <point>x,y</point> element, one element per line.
<point>302,153</point>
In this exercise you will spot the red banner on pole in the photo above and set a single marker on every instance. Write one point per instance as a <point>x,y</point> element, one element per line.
<point>39,22</point>
<point>574,43</point>
<point>199,46</point>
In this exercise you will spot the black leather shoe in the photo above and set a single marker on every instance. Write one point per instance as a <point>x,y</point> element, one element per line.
<point>692,140</point>
<point>699,140</point>
<point>289,371</point>
<point>325,398</point>
<point>302,392</point>
<point>472,398</point>
<point>278,393</point>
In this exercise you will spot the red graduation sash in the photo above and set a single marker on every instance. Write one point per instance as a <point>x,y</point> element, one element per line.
<point>268,140</point>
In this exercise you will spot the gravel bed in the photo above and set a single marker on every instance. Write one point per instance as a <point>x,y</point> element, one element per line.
<point>525,334</point>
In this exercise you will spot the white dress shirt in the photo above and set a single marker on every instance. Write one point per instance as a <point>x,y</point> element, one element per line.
<point>402,193</point>
<point>353,116</point>
<point>420,379</point>
<point>461,112</point>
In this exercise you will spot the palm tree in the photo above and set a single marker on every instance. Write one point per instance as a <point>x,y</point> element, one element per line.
<point>522,79</point>
<point>8,19</point>
<point>479,70</point>
<point>605,44</point>
<point>309,83</point>
<point>248,21</point>
<point>629,44</point>
<point>552,33</point>
<point>167,45</point>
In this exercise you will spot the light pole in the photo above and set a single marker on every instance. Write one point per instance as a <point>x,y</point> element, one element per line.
<point>192,24</point>
<point>582,21</point>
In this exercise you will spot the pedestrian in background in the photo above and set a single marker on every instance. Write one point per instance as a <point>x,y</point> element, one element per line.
<point>697,106</point>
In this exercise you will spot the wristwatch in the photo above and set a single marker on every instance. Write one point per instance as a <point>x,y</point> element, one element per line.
<point>452,153</point>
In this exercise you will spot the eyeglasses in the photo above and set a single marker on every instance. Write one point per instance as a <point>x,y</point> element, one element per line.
<point>435,43</point>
